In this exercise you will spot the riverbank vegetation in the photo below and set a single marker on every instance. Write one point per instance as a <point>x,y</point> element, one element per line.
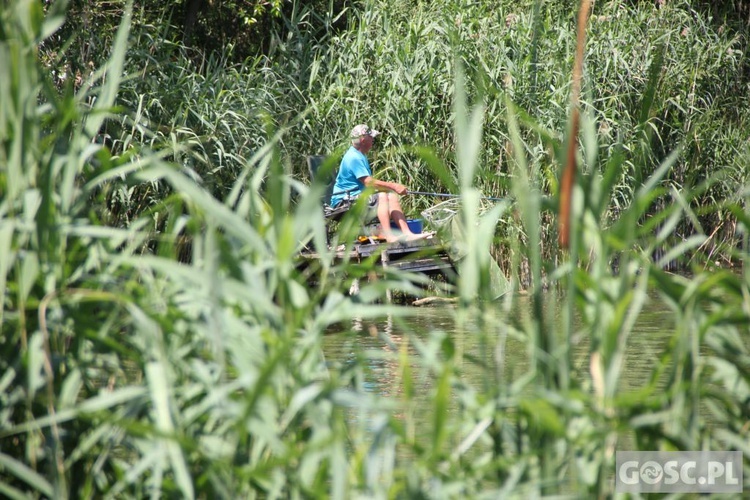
<point>158,339</point>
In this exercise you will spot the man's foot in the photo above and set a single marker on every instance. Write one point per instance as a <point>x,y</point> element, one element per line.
<point>420,236</point>
<point>392,238</point>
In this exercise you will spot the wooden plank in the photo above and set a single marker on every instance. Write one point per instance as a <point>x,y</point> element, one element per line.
<point>423,265</point>
<point>366,250</point>
<point>423,256</point>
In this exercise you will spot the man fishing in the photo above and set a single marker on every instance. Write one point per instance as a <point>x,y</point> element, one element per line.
<point>355,175</point>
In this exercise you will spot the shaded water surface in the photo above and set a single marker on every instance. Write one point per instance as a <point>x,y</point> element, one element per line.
<point>380,343</point>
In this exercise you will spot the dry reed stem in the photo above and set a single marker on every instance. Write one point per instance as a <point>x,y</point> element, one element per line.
<point>49,372</point>
<point>569,172</point>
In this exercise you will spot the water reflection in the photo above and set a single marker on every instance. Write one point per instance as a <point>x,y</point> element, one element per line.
<point>379,345</point>
<point>397,361</point>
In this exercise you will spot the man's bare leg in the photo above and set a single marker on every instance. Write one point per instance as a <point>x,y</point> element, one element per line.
<point>397,214</point>
<point>384,218</point>
<point>398,217</point>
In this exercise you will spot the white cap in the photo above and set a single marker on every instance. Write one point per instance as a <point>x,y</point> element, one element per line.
<point>361,130</point>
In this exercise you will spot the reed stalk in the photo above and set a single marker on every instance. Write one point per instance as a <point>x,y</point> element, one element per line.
<point>132,368</point>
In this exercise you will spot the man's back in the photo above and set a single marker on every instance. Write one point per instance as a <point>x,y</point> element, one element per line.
<point>354,166</point>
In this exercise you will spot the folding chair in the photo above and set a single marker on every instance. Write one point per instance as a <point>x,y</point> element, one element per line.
<point>332,215</point>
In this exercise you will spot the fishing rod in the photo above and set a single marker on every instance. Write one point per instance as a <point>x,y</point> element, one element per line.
<point>425,193</point>
<point>446,195</point>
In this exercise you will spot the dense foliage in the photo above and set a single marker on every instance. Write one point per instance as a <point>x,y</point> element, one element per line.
<point>131,368</point>
<point>393,68</point>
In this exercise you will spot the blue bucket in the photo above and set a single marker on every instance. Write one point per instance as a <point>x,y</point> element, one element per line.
<point>415,225</point>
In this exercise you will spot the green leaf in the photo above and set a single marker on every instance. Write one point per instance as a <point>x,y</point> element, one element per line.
<point>35,356</point>
<point>70,390</point>
<point>436,166</point>
<point>113,75</point>
<point>158,382</point>
<point>26,474</point>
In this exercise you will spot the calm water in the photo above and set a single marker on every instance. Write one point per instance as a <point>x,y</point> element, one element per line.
<point>378,343</point>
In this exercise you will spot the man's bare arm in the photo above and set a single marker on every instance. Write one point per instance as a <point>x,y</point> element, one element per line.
<point>379,185</point>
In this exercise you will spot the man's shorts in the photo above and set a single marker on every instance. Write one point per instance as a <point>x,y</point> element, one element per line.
<point>372,207</point>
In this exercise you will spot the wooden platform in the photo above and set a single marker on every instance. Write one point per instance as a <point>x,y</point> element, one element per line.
<point>422,256</point>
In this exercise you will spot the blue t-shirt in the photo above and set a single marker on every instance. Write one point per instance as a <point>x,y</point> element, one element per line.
<point>354,166</point>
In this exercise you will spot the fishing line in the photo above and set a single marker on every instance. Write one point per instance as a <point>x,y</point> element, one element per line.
<point>446,195</point>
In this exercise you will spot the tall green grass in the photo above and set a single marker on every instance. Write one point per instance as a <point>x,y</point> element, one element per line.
<point>128,370</point>
<point>660,78</point>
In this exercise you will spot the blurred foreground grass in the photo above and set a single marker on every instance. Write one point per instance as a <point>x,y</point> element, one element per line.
<point>128,373</point>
